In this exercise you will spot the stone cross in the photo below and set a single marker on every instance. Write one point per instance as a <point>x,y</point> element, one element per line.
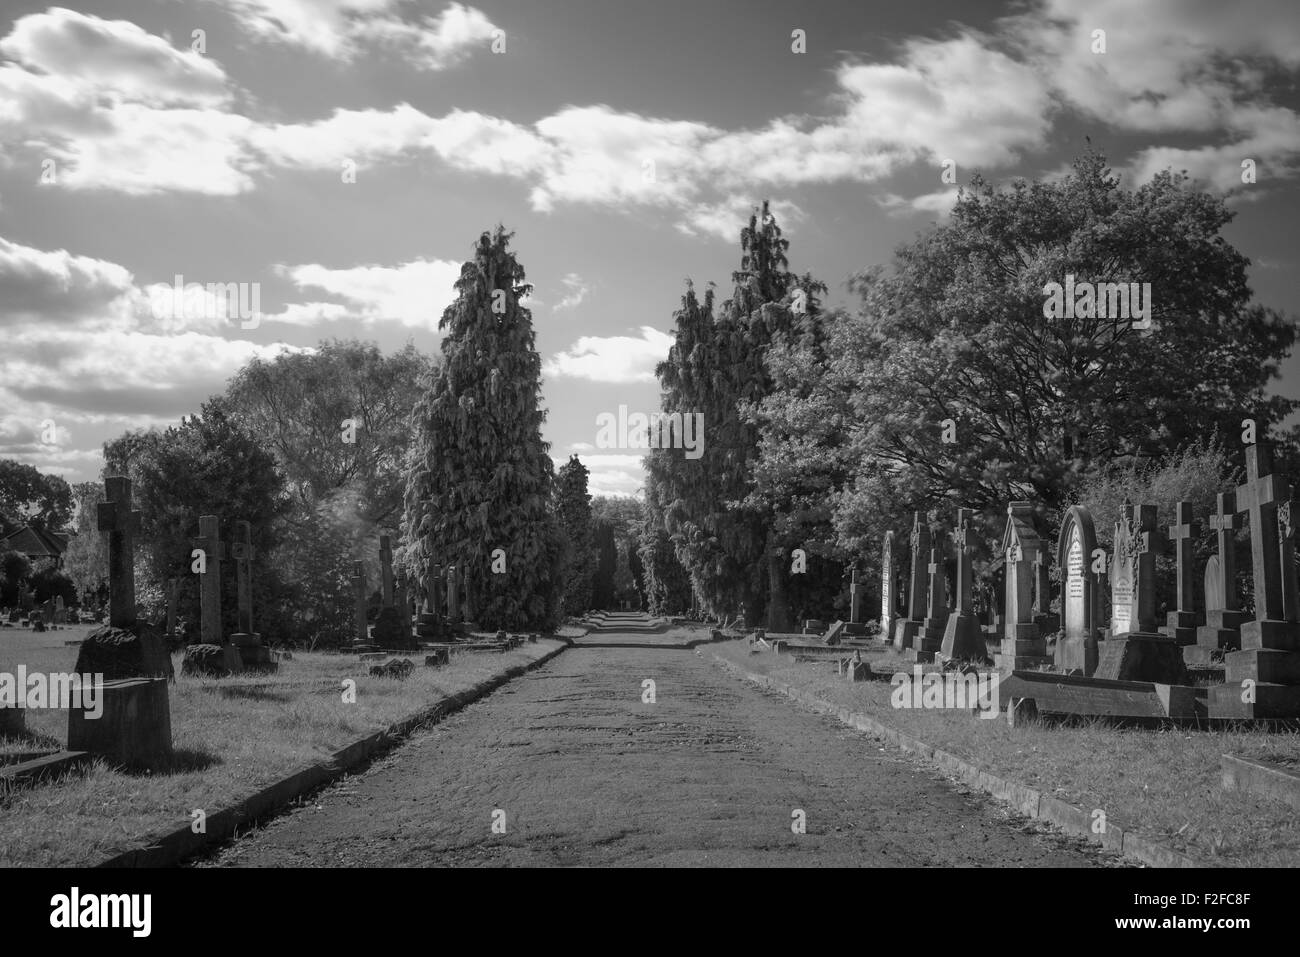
<point>116,517</point>
<point>1144,545</point>
<point>1260,497</point>
<point>386,570</point>
<point>965,573</point>
<point>241,550</point>
<point>916,597</point>
<point>1183,533</point>
<point>1042,583</point>
<point>359,601</point>
<point>210,586</point>
<point>937,605</point>
<point>1225,521</point>
<point>853,596</point>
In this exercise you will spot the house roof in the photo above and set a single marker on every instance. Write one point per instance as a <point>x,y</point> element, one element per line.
<point>36,542</point>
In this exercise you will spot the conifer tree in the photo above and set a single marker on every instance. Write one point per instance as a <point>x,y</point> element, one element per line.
<point>574,512</point>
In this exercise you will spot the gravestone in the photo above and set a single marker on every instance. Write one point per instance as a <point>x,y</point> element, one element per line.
<point>211,633</point>
<point>1262,680</point>
<point>1181,623</point>
<point>453,593</point>
<point>125,647</point>
<point>254,655</point>
<point>60,612</point>
<point>392,628</point>
<point>1023,646</point>
<point>930,638</point>
<point>1077,649</point>
<point>906,629</point>
<point>430,623</point>
<point>888,581</point>
<point>132,724</point>
<point>1048,622</point>
<point>1123,577</point>
<point>963,639</point>
<point>1140,652</point>
<point>362,638</point>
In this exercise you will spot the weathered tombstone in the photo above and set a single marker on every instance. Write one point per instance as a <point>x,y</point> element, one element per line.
<point>906,629</point>
<point>210,633</point>
<point>429,624</point>
<point>1140,653</point>
<point>362,639</point>
<point>60,613</point>
<point>1123,577</point>
<point>930,638</point>
<point>253,654</point>
<point>386,571</point>
<point>453,593</point>
<point>1262,680</point>
<point>1048,622</point>
<point>1023,645</point>
<point>853,596</point>
<point>1076,649</point>
<point>963,639</point>
<point>888,577</point>
<point>132,722</point>
<point>1181,624</point>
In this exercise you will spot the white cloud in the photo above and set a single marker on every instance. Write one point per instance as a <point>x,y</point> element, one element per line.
<point>577,292</point>
<point>341,29</point>
<point>612,358</point>
<point>413,293</point>
<point>725,219</point>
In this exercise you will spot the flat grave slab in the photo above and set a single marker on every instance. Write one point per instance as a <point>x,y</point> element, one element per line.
<point>1100,697</point>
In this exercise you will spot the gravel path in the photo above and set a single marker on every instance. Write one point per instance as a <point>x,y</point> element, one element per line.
<point>588,774</point>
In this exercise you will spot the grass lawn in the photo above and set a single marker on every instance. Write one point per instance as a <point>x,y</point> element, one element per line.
<point>232,737</point>
<point>1164,784</point>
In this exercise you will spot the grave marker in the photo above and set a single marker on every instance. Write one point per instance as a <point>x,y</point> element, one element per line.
<point>1181,624</point>
<point>963,639</point>
<point>930,638</point>
<point>253,654</point>
<point>358,580</point>
<point>888,577</point>
<point>906,629</point>
<point>1076,648</point>
<point>1223,619</point>
<point>214,551</point>
<point>1022,645</point>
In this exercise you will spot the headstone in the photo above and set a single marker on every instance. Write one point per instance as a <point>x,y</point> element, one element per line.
<point>1262,680</point>
<point>930,638</point>
<point>253,653</point>
<point>906,629</point>
<point>1048,622</point>
<point>453,593</point>
<point>132,722</point>
<point>963,639</point>
<point>358,579</point>
<point>888,578</point>
<point>60,613</point>
<point>853,596</point>
<point>1181,623</point>
<point>386,571</point>
<point>430,624</point>
<point>214,551</point>
<point>1076,649</point>
<point>1123,577</point>
<point>1140,653</point>
<point>1023,646</point>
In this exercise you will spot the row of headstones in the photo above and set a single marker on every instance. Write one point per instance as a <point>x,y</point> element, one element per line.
<point>1262,656</point>
<point>49,612</point>
<point>446,604</point>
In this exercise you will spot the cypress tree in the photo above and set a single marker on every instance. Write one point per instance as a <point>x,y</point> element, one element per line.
<point>574,511</point>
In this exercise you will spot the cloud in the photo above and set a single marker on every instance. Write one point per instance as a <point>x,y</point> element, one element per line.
<point>413,293</point>
<point>726,218</point>
<point>577,292</point>
<point>612,358</point>
<point>939,203</point>
<point>343,29</point>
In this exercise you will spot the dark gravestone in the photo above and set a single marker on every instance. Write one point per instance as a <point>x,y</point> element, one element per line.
<point>1023,645</point>
<point>1140,653</point>
<point>962,638</point>
<point>362,636</point>
<point>1077,649</point>
<point>905,630</point>
<point>930,638</point>
<point>213,548</point>
<point>1181,623</point>
<point>254,655</point>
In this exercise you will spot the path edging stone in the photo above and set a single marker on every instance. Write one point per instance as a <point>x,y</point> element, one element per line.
<point>170,848</point>
<point>1026,800</point>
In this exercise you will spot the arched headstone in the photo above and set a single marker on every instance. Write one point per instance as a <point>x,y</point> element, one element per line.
<point>1076,649</point>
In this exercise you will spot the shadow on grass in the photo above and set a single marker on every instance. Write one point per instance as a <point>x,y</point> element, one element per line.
<point>181,761</point>
<point>251,693</point>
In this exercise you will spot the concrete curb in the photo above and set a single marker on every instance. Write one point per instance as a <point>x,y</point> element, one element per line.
<point>1260,779</point>
<point>170,848</point>
<point>1026,800</point>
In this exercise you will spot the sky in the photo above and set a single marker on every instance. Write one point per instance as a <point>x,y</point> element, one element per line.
<point>339,158</point>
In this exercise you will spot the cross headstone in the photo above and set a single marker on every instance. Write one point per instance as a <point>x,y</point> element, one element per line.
<point>962,637</point>
<point>453,593</point>
<point>1260,498</point>
<point>116,517</point>
<point>929,639</point>
<point>853,596</point>
<point>386,570</point>
<point>241,550</point>
<point>1181,624</point>
<point>359,603</point>
<point>213,547</point>
<point>906,630</point>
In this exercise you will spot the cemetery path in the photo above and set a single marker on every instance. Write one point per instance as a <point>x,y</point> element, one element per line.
<point>587,774</point>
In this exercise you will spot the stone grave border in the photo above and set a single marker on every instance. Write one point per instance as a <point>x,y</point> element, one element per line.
<point>1026,800</point>
<point>1260,779</point>
<point>171,848</point>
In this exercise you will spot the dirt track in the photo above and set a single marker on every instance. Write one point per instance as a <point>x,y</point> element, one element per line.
<point>588,774</point>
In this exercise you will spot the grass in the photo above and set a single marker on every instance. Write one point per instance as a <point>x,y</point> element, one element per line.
<point>1164,784</point>
<point>231,738</point>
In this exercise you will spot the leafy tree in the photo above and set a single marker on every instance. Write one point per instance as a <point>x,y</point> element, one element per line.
<point>480,475</point>
<point>29,497</point>
<point>15,569</point>
<point>86,559</point>
<point>574,510</point>
<point>603,589</point>
<point>666,585</point>
<point>626,517</point>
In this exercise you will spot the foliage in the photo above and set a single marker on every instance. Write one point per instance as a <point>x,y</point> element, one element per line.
<point>574,513</point>
<point>28,497</point>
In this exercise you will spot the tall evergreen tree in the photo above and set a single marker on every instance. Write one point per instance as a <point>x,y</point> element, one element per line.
<point>603,590</point>
<point>480,476</point>
<point>574,509</point>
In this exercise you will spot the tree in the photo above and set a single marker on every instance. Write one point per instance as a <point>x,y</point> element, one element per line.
<point>666,584</point>
<point>335,419</point>
<point>574,512</point>
<point>28,497</point>
<point>480,476</point>
<point>14,571</point>
<point>603,589</point>
<point>86,559</point>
